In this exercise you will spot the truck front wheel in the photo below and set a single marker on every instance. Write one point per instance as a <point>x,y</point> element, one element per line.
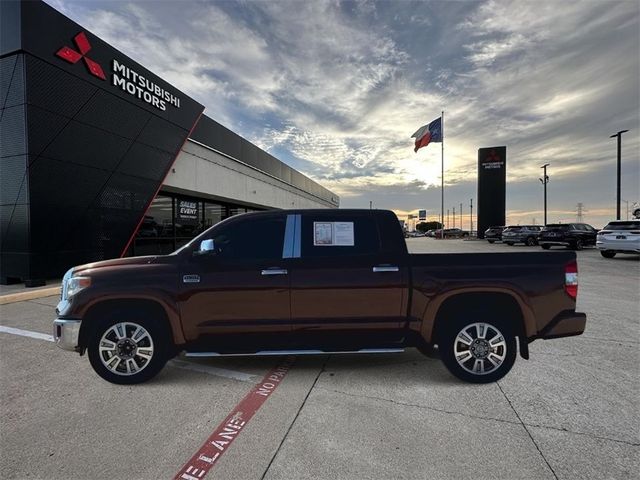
<point>128,352</point>
<point>478,352</point>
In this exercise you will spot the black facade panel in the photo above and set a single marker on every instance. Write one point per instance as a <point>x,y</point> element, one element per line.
<point>13,132</point>
<point>159,133</point>
<point>11,81</point>
<point>54,89</point>
<point>10,26</point>
<point>45,125</point>
<point>146,162</point>
<point>82,144</point>
<point>492,176</point>
<point>15,233</point>
<point>13,180</point>
<point>111,113</point>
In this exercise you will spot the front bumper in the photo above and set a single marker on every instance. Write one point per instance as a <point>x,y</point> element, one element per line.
<point>66,333</point>
<point>565,324</point>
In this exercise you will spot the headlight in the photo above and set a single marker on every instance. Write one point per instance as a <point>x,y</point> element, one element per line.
<point>76,284</point>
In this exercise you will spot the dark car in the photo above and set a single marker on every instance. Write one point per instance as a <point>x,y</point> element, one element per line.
<point>455,233</point>
<point>493,234</point>
<point>527,234</point>
<point>570,235</point>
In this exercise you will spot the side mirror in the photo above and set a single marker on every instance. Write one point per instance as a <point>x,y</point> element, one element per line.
<point>206,247</point>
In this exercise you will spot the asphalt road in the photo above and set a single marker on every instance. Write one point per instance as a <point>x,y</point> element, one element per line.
<point>570,412</point>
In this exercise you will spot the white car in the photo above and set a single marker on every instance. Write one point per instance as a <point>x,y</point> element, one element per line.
<point>619,236</point>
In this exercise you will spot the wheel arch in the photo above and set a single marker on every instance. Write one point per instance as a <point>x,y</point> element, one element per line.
<point>119,306</point>
<point>499,300</point>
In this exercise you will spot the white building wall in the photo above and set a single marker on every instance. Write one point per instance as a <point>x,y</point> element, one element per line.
<point>203,172</point>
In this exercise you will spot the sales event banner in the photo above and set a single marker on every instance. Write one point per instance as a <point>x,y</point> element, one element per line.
<point>492,179</point>
<point>187,212</point>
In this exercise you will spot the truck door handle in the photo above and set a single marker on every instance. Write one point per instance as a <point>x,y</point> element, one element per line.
<point>274,271</point>
<point>385,268</point>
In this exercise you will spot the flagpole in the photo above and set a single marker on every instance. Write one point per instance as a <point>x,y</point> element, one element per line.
<point>442,179</point>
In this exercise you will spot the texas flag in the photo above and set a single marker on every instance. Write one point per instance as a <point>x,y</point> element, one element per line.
<point>428,133</point>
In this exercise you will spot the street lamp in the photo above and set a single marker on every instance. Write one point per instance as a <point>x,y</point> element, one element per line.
<point>544,180</point>
<point>619,135</point>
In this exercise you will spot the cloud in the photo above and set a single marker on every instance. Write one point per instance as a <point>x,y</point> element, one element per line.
<point>336,88</point>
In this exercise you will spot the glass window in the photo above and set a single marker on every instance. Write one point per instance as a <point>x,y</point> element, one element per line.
<point>155,235</point>
<point>255,239</point>
<point>236,211</point>
<point>213,213</point>
<point>626,225</point>
<point>366,240</point>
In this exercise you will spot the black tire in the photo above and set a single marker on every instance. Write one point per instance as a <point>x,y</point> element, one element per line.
<point>530,242</point>
<point>607,253</point>
<point>158,343</point>
<point>447,345</point>
<point>509,243</point>
<point>545,246</point>
<point>577,244</point>
<point>491,241</point>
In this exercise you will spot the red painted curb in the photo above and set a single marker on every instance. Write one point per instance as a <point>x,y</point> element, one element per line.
<point>224,435</point>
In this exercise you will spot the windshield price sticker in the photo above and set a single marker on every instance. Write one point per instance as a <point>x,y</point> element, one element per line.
<point>333,234</point>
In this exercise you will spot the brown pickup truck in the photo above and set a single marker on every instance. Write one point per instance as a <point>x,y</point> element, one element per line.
<point>315,281</point>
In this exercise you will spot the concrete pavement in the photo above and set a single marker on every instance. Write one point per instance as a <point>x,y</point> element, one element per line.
<point>572,411</point>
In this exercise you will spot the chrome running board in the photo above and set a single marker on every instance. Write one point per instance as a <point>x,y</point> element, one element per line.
<point>293,352</point>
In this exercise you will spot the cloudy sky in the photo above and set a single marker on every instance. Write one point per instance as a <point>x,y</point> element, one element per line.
<point>335,89</point>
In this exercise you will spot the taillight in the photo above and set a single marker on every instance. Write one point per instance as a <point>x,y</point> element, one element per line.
<point>571,279</point>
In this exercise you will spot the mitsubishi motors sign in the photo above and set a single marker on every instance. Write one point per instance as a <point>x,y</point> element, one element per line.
<point>50,36</point>
<point>122,76</point>
<point>141,87</point>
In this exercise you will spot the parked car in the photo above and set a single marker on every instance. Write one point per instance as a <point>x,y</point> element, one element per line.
<point>527,234</point>
<point>493,234</point>
<point>570,235</point>
<point>453,233</point>
<point>318,281</point>
<point>619,236</point>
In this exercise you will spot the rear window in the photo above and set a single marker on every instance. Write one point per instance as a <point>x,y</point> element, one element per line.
<point>514,229</point>
<point>623,226</point>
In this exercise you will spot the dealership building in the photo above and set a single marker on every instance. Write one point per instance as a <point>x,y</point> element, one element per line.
<point>101,158</point>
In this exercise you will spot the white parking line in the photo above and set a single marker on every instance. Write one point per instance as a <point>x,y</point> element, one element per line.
<point>194,367</point>
<point>26,333</point>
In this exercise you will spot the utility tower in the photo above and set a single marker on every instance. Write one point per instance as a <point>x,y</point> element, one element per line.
<point>580,211</point>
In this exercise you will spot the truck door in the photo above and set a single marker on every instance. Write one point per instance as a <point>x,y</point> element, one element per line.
<point>243,286</point>
<point>343,284</point>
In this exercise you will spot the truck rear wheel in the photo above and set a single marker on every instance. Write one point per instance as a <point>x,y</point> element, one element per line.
<point>128,351</point>
<point>478,352</point>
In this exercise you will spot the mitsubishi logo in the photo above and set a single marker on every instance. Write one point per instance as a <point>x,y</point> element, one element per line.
<point>72,56</point>
<point>493,157</point>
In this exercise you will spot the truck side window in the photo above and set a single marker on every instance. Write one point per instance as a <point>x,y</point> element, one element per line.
<point>251,239</point>
<point>366,240</point>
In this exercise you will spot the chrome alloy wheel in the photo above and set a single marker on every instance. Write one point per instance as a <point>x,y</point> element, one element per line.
<point>126,348</point>
<point>480,348</point>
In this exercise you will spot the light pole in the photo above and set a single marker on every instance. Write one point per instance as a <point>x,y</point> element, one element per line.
<point>627,202</point>
<point>447,218</point>
<point>619,135</point>
<point>544,180</point>
<point>454,217</point>
<point>471,215</point>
